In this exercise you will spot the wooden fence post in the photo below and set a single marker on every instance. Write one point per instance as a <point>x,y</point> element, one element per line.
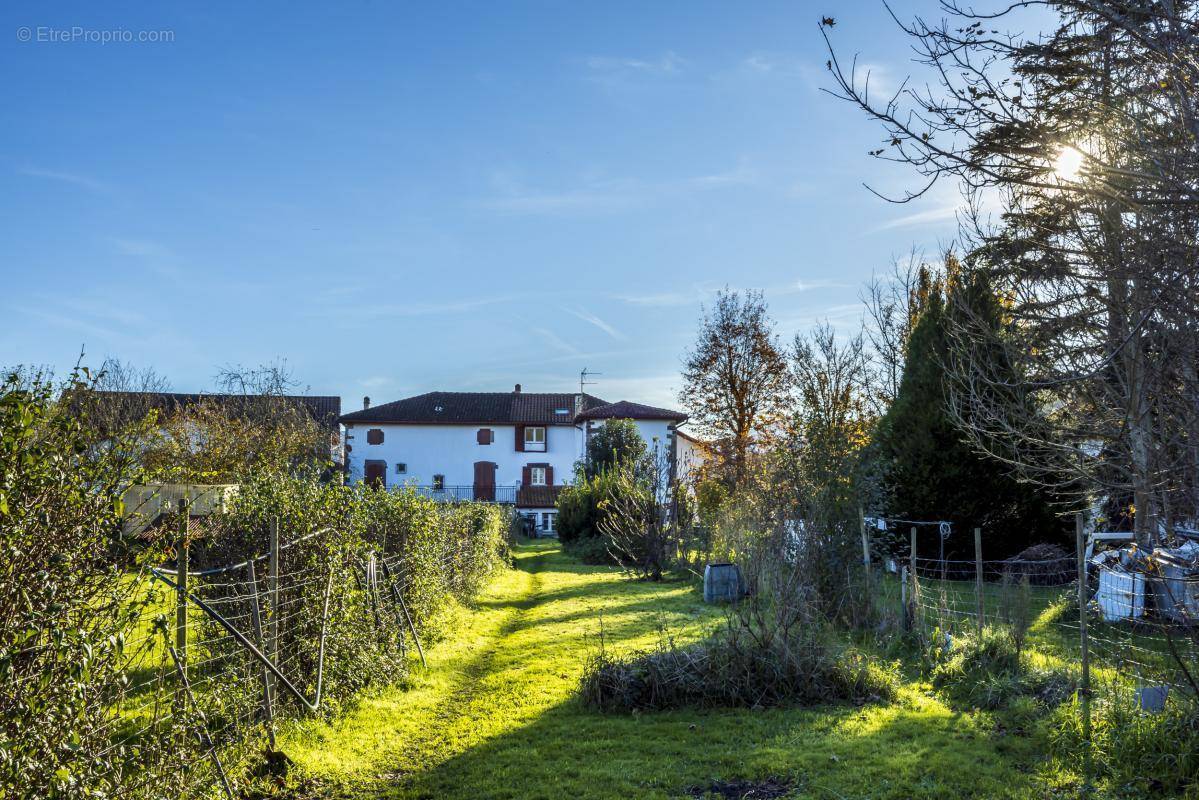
<point>978,577</point>
<point>912,599</point>
<point>904,610</point>
<point>1084,691</point>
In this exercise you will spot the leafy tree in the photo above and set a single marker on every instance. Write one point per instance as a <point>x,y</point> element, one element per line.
<point>931,471</point>
<point>615,442</point>
<point>736,378</point>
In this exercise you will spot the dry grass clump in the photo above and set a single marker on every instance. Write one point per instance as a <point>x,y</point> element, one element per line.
<point>728,670</point>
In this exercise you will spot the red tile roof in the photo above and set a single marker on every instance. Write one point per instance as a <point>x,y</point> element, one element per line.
<point>626,410</point>
<point>479,408</point>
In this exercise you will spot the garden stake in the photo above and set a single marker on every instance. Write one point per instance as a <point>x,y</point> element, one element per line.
<point>256,613</point>
<point>202,733</point>
<point>272,588</point>
<point>915,604</point>
<point>1084,693</point>
<point>398,598</point>
<point>181,565</point>
<point>978,576</point>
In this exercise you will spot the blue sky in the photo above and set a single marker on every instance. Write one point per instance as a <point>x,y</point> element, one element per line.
<point>402,197</point>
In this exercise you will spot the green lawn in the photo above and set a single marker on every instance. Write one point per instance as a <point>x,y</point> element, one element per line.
<point>495,715</point>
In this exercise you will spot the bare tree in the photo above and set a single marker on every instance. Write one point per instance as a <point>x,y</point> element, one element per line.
<point>124,395</point>
<point>736,378</point>
<point>1087,136</point>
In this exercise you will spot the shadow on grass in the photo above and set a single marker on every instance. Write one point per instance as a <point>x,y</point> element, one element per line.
<point>508,724</point>
<point>834,751</point>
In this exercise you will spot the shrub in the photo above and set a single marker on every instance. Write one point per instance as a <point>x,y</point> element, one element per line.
<point>70,596</point>
<point>987,671</point>
<point>579,512</point>
<point>441,553</point>
<point>731,671</point>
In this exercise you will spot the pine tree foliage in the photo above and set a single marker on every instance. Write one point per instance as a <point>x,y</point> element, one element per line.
<point>931,470</point>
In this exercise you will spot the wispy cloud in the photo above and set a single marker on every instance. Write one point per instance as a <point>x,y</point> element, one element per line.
<point>932,216</point>
<point>667,63</point>
<point>765,63</point>
<point>384,310</point>
<point>597,322</point>
<point>73,178</point>
<point>142,248</point>
<point>557,342</point>
<point>665,299</point>
<point>811,286</point>
<point>73,323</point>
<point>376,382</point>
<point>704,291</point>
<point>605,195</point>
<point>600,198</point>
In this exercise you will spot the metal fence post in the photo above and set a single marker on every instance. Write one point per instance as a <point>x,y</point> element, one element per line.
<point>181,568</point>
<point>912,600</point>
<point>1084,691</point>
<point>978,576</point>
<point>865,556</point>
<point>272,588</point>
<point>268,713</point>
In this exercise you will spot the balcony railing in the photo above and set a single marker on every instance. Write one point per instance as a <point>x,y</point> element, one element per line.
<point>505,495</point>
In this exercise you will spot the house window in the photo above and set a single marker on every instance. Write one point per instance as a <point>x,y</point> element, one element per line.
<point>401,469</point>
<point>537,476</point>
<point>374,436</point>
<point>485,436</point>
<point>535,439</point>
<point>547,521</point>
<point>438,483</point>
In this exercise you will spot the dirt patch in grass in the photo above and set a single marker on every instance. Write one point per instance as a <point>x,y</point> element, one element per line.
<point>742,790</point>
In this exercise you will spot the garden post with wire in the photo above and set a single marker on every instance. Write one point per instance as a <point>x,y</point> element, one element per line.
<point>268,715</point>
<point>913,603</point>
<point>978,576</point>
<point>272,588</point>
<point>865,555</point>
<point>181,568</point>
<point>1084,691</point>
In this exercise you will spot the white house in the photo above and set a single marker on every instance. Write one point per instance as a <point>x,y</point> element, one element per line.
<point>512,447</point>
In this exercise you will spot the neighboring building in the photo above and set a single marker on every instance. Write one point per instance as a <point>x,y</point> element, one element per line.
<point>506,447</point>
<point>121,408</point>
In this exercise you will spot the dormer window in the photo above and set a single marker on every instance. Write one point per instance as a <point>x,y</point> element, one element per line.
<point>535,439</point>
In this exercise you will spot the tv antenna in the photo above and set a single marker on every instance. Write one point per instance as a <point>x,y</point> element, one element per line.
<point>583,376</point>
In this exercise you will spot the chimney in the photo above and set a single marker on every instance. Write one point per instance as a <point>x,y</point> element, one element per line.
<point>366,403</point>
<point>517,389</point>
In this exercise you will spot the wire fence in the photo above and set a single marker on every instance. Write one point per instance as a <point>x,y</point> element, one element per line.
<point>218,657</point>
<point>1133,631</point>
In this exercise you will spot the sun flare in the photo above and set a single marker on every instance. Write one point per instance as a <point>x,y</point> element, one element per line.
<point>1068,163</point>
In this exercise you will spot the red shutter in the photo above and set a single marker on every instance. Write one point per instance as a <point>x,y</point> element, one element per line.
<point>520,438</point>
<point>526,475</point>
<point>549,475</point>
<point>483,436</point>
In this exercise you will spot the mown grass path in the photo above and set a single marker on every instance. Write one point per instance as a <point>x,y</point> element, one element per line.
<point>494,716</point>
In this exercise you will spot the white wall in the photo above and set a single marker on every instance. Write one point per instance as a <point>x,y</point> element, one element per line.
<point>691,458</point>
<point>452,450</point>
